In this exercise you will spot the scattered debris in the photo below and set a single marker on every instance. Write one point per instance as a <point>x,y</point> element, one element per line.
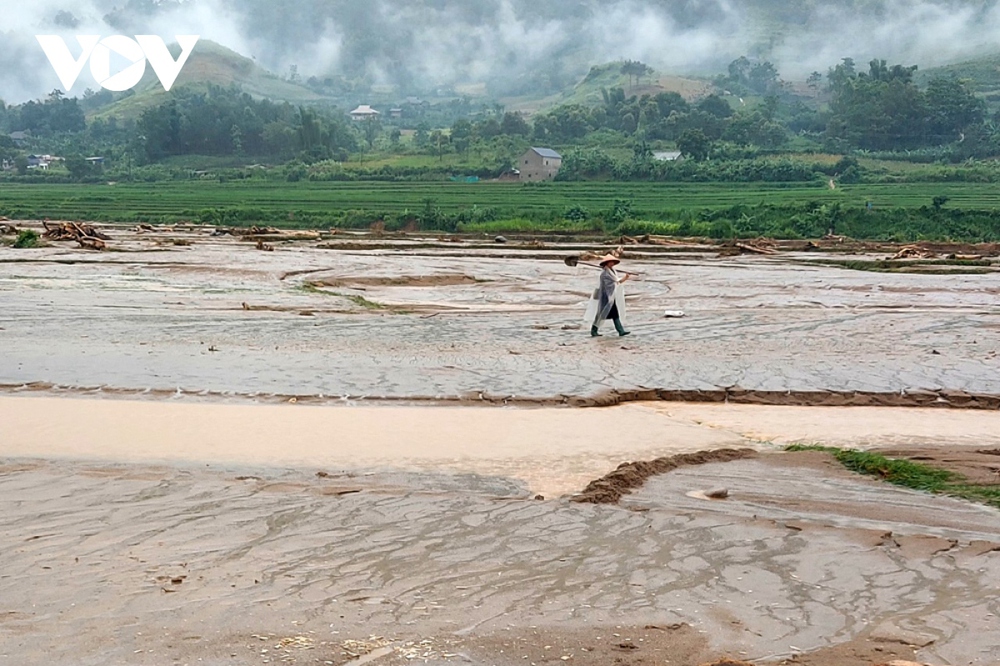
<point>913,252</point>
<point>244,231</point>
<point>7,229</point>
<point>759,246</point>
<point>500,239</point>
<point>756,248</point>
<point>261,245</point>
<point>84,234</point>
<point>717,493</point>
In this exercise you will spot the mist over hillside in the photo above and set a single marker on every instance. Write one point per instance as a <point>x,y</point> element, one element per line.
<point>514,46</point>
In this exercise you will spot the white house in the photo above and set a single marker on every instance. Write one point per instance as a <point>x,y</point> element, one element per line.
<point>364,112</point>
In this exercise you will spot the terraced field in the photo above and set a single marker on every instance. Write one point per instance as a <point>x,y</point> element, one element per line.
<point>273,201</point>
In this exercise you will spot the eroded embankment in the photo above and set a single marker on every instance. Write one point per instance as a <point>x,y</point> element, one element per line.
<point>631,475</point>
<point>945,398</point>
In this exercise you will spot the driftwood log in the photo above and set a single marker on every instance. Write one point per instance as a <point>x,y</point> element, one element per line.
<point>85,234</point>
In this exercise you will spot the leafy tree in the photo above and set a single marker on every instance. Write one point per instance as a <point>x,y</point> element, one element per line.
<point>420,137</point>
<point>814,80</point>
<point>514,124</point>
<point>635,69</point>
<point>951,108</point>
<point>461,135</point>
<point>716,106</point>
<point>694,144</point>
<point>372,129</point>
<point>78,167</point>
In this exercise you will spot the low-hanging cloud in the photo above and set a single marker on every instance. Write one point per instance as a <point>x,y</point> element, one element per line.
<point>420,44</point>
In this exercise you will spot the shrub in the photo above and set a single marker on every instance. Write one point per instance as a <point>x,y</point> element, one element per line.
<point>26,238</point>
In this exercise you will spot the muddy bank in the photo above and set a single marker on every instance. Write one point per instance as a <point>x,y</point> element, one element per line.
<point>978,467</point>
<point>913,399</point>
<point>628,476</point>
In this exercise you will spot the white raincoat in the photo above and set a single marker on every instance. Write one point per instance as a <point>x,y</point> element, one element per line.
<point>609,292</point>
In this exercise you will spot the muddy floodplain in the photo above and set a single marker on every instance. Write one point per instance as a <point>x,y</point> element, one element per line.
<point>369,317</point>
<point>202,528</point>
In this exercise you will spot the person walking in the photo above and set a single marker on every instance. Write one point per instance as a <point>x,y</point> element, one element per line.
<point>608,301</point>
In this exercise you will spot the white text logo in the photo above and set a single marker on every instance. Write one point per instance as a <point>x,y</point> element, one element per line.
<point>98,51</point>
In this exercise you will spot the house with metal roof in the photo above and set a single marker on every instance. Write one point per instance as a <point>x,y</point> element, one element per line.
<point>539,164</point>
<point>364,112</point>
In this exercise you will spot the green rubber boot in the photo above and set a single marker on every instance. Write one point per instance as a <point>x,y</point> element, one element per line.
<point>593,332</point>
<point>621,329</point>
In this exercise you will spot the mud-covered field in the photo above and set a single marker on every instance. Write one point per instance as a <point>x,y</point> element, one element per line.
<point>222,455</point>
<point>425,317</point>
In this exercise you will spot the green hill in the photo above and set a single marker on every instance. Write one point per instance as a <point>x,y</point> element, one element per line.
<point>983,73</point>
<point>588,91</point>
<point>210,63</point>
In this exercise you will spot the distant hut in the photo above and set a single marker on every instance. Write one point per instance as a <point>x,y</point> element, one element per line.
<point>539,164</point>
<point>364,112</point>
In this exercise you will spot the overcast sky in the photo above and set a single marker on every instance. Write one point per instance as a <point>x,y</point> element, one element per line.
<point>439,42</point>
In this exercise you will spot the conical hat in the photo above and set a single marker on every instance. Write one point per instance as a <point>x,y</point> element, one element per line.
<point>608,258</point>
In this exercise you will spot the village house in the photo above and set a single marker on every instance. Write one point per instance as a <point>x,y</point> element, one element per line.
<point>667,155</point>
<point>20,138</point>
<point>42,161</point>
<point>539,164</point>
<point>364,112</point>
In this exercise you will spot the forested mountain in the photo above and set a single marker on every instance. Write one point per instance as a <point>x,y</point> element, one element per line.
<point>453,77</point>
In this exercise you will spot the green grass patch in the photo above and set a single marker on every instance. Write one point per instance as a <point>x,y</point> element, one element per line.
<point>363,302</point>
<point>909,474</point>
<point>311,288</point>
<point>26,238</point>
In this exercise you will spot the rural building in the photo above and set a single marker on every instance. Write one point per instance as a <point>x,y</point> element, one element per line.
<point>667,155</point>
<point>42,161</point>
<point>539,164</point>
<point>396,112</point>
<point>364,112</point>
<point>20,138</point>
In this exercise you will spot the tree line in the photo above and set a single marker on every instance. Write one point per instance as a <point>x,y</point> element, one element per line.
<point>879,109</point>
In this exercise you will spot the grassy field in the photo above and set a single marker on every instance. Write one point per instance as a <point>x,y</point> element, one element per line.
<point>173,201</point>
